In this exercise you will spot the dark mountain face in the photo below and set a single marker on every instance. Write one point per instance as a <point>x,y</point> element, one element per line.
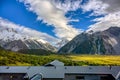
<point>114,31</point>
<point>17,45</point>
<point>1,48</point>
<point>105,42</point>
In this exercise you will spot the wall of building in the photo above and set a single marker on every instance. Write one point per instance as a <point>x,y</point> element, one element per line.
<point>52,79</point>
<point>12,76</point>
<point>87,77</point>
<point>57,72</point>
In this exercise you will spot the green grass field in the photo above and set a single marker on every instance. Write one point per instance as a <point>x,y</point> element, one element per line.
<point>8,58</point>
<point>98,59</point>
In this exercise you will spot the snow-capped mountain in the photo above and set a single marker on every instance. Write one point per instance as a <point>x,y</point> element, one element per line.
<point>104,42</point>
<point>17,38</point>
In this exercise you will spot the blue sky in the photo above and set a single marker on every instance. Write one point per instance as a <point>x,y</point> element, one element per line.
<point>61,18</point>
<point>16,12</point>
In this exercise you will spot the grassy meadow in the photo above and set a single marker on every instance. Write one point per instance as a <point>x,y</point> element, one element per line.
<point>8,58</point>
<point>98,59</point>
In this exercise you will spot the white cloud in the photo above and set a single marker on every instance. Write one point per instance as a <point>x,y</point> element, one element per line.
<point>110,9</point>
<point>49,13</point>
<point>97,6</point>
<point>103,23</point>
<point>30,33</point>
<point>114,5</point>
<point>68,5</point>
<point>74,20</point>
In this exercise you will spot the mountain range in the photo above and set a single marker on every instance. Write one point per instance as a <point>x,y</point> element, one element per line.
<point>89,42</point>
<point>12,39</point>
<point>102,42</point>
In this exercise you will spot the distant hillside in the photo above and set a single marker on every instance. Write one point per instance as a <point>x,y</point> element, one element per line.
<point>36,52</point>
<point>105,42</point>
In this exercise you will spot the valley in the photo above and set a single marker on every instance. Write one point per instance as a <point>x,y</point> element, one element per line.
<point>9,58</point>
<point>89,48</point>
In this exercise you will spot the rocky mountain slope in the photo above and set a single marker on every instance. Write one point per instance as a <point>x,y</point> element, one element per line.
<point>12,39</point>
<point>105,42</point>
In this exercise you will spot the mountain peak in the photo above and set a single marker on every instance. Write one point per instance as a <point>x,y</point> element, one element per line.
<point>103,42</point>
<point>17,38</point>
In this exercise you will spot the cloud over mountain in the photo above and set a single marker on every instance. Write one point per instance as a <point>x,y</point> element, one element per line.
<point>103,23</point>
<point>51,14</point>
<point>109,9</point>
<point>23,31</point>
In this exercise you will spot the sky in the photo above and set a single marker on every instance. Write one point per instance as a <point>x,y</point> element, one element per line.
<point>60,19</point>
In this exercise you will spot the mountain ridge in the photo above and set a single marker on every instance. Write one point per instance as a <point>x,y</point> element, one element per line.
<point>14,40</point>
<point>104,42</point>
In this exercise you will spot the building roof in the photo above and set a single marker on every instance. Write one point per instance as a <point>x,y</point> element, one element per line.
<point>58,70</point>
<point>55,63</point>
